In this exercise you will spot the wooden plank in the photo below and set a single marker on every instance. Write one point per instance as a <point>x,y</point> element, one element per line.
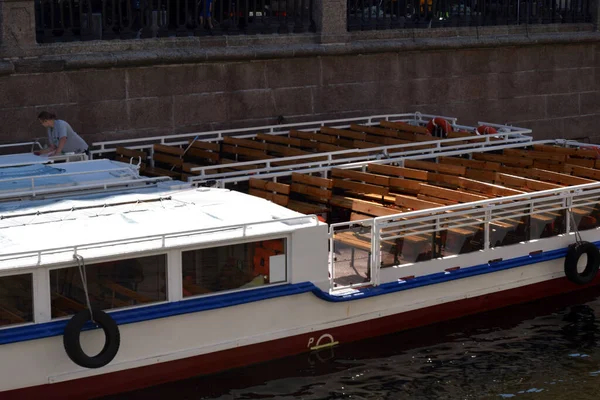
<point>136,154</point>
<point>187,167</point>
<point>532,184</point>
<point>317,137</point>
<point>476,164</point>
<point>583,171</point>
<point>11,316</point>
<point>155,171</point>
<point>360,187</point>
<point>172,150</point>
<point>278,139</point>
<point>306,208</point>
<point>246,152</point>
<point>132,294</point>
<point>487,188</point>
<point>312,180</point>
<point>274,197</point>
<point>557,177</point>
<point>355,216</point>
<point>450,194</point>
<point>167,159</point>
<point>374,130</point>
<point>209,155</point>
<point>362,206</point>
<point>415,203</point>
<point>312,191</point>
<point>364,145</point>
<point>582,162</point>
<point>398,171</point>
<point>286,151</point>
<point>549,166</point>
<point>374,179</point>
<point>446,202</point>
<point>506,160</point>
<point>481,175</point>
<point>436,167</point>
<point>270,186</point>
<point>403,126</point>
<point>202,145</point>
<point>541,155</point>
<point>300,161</point>
<point>390,199</point>
<point>570,151</point>
<point>251,144</point>
<point>405,185</point>
<point>343,133</point>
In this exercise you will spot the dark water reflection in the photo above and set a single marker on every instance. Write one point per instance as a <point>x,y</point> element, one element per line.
<point>543,350</point>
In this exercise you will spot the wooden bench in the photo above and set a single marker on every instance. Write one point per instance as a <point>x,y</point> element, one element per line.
<point>169,161</point>
<point>310,194</point>
<point>276,192</point>
<point>130,156</point>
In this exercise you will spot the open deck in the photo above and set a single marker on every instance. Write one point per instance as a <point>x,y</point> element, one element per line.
<point>233,155</point>
<point>393,194</point>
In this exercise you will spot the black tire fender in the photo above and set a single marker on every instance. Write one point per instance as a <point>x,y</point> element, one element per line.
<point>574,252</point>
<point>72,342</point>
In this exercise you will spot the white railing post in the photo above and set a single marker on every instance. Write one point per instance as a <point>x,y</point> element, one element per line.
<point>331,259</point>
<point>375,252</point>
<point>568,205</point>
<point>486,227</point>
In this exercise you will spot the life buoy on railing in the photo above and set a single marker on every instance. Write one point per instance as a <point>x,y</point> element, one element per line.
<point>574,253</point>
<point>486,130</point>
<point>438,127</point>
<point>72,343</point>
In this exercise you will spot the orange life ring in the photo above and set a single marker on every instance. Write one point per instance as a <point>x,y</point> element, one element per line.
<point>437,124</point>
<point>486,130</point>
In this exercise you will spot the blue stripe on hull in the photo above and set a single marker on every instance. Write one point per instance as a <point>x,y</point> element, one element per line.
<point>56,328</point>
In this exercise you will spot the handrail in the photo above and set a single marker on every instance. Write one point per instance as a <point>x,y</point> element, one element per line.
<point>33,177</point>
<point>352,162</point>
<point>98,185</point>
<point>145,238</point>
<point>33,143</point>
<point>329,157</point>
<point>415,117</point>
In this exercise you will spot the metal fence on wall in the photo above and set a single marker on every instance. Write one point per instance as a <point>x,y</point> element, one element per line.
<point>71,20</point>
<point>397,14</point>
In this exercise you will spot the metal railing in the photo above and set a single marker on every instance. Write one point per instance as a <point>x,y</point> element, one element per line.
<point>145,144</point>
<point>398,14</point>
<point>269,169</point>
<point>462,229</point>
<point>317,162</point>
<point>71,20</point>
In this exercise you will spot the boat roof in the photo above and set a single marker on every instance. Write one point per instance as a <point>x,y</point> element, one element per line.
<point>107,224</point>
<point>46,180</point>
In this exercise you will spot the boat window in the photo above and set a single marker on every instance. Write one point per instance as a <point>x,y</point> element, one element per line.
<point>112,284</point>
<point>16,299</point>
<point>236,266</point>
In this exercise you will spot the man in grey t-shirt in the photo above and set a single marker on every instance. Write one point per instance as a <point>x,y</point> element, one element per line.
<point>61,136</point>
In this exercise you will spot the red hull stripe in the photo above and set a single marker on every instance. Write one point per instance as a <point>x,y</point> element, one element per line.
<point>56,328</point>
<point>155,374</point>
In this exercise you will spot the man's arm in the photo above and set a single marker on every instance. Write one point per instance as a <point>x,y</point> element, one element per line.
<point>61,144</point>
<point>50,149</point>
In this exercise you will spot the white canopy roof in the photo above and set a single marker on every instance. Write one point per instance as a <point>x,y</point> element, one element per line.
<point>108,224</point>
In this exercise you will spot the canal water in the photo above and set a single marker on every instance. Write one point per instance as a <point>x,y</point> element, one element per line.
<point>543,350</point>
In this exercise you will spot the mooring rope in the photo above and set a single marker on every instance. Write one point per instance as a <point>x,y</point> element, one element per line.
<point>83,275</point>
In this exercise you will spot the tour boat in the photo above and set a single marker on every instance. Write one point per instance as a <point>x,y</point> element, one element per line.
<point>258,247</point>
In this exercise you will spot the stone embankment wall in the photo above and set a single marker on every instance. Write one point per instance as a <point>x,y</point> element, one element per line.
<point>544,77</point>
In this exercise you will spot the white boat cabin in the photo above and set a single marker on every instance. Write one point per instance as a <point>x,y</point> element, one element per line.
<point>164,241</point>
